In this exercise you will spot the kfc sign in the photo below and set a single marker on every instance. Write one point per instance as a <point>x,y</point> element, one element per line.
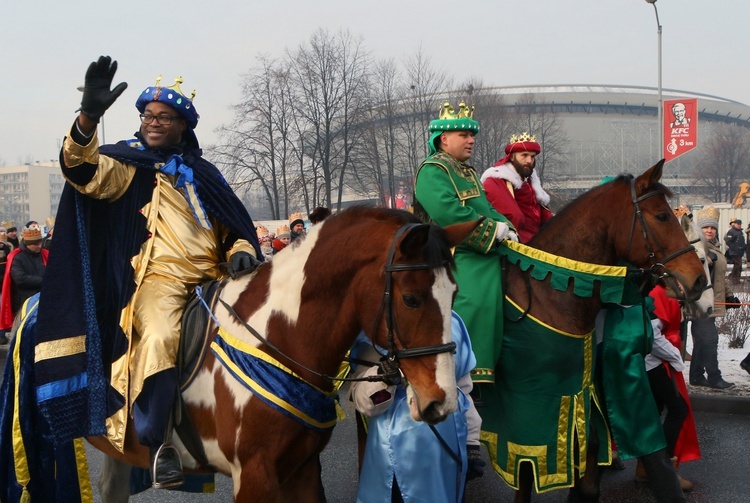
<point>680,127</point>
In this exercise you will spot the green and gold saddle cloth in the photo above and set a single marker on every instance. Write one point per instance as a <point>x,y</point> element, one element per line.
<point>543,403</point>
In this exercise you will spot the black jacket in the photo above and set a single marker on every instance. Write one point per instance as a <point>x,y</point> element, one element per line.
<point>735,241</point>
<point>26,271</point>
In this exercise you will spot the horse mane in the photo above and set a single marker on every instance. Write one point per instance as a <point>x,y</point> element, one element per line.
<point>437,250</point>
<point>606,185</point>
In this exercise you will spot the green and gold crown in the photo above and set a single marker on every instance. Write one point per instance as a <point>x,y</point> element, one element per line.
<point>450,120</point>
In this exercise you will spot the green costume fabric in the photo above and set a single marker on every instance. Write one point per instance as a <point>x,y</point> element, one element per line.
<point>542,402</point>
<point>449,192</point>
<point>622,381</point>
<point>544,399</point>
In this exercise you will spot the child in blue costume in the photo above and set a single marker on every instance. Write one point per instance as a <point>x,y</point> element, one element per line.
<point>403,457</point>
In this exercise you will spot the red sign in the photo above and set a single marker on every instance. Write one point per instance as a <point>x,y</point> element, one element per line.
<point>680,127</point>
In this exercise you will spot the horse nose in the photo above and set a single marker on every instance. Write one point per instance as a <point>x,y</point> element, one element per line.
<point>700,284</point>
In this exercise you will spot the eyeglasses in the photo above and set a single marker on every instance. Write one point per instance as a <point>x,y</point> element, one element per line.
<point>163,120</point>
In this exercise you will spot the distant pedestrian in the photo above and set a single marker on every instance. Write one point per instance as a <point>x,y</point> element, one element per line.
<point>704,363</point>
<point>23,275</point>
<point>735,248</point>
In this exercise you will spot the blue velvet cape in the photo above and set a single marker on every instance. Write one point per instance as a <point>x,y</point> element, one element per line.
<point>89,280</point>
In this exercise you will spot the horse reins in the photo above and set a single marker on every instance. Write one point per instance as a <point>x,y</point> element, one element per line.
<point>658,268</point>
<point>391,372</point>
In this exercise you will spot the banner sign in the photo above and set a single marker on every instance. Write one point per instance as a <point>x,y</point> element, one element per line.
<point>680,127</point>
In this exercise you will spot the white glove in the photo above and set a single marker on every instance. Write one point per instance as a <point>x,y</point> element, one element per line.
<point>502,231</point>
<point>512,236</point>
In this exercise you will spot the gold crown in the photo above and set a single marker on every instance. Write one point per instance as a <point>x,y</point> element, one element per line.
<point>522,138</point>
<point>282,229</point>
<point>176,87</point>
<point>296,216</point>
<point>448,112</point>
<point>262,231</point>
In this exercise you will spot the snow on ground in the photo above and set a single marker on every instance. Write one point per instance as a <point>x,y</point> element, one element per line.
<point>729,364</point>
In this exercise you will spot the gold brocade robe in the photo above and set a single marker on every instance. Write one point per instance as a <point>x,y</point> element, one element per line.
<point>179,251</point>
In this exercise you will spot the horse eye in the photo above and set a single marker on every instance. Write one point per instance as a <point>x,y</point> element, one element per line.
<point>663,217</point>
<point>411,301</point>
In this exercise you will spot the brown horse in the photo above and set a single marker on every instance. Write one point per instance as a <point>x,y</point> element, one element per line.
<point>628,219</point>
<point>381,271</point>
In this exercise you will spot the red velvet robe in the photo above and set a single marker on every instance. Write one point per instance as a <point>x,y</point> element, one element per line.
<point>668,311</point>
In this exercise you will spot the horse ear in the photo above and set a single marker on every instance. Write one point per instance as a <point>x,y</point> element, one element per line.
<point>650,177</point>
<point>456,233</point>
<point>415,240</point>
<point>686,223</point>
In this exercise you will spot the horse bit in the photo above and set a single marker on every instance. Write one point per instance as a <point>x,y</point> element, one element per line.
<point>390,370</point>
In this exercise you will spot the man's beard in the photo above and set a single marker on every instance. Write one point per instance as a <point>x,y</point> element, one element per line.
<point>524,171</point>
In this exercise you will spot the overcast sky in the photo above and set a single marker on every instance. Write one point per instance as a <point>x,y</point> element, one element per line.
<point>48,44</point>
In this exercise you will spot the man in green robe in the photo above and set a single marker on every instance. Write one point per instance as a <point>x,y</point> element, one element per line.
<point>448,191</point>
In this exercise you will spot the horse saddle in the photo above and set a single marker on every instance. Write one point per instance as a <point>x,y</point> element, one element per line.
<point>194,341</point>
<point>196,327</point>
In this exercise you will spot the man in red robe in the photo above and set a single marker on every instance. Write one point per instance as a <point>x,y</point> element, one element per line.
<point>514,189</point>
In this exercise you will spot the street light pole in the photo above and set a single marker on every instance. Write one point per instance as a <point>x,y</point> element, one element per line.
<point>661,102</point>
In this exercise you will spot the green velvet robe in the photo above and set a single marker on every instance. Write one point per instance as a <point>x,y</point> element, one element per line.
<point>447,192</point>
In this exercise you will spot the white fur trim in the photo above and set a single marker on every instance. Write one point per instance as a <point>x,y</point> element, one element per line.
<point>504,172</point>
<point>509,173</point>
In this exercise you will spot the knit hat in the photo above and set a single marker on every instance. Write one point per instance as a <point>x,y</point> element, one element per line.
<point>449,120</point>
<point>294,219</point>
<point>32,234</point>
<point>283,232</point>
<point>523,142</point>
<point>708,217</point>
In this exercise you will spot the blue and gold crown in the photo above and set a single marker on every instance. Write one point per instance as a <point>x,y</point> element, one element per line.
<point>172,96</point>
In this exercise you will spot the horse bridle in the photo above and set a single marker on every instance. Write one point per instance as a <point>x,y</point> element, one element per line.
<point>390,369</point>
<point>658,268</point>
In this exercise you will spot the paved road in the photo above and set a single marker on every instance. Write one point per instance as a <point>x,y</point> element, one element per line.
<point>720,476</point>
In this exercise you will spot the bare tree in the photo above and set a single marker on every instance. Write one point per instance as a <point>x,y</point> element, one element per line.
<point>257,147</point>
<point>538,119</point>
<point>494,122</point>
<point>725,161</point>
<point>329,76</point>
<point>426,88</point>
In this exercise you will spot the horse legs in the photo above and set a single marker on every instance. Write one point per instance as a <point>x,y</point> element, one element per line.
<point>586,488</point>
<point>255,483</point>
<point>114,481</point>
<point>525,483</point>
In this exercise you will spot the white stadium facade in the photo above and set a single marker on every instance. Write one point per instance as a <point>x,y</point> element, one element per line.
<point>614,129</point>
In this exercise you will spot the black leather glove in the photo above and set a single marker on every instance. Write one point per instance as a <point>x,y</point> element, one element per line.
<point>242,263</point>
<point>475,462</point>
<point>97,96</point>
<point>733,299</point>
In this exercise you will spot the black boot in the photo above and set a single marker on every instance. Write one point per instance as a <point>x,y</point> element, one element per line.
<point>166,467</point>
<point>745,364</point>
<point>662,477</point>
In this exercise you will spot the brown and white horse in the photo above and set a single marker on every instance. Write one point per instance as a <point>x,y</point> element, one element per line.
<point>376,270</point>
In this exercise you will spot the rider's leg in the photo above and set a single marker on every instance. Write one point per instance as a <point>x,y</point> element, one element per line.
<point>157,316</point>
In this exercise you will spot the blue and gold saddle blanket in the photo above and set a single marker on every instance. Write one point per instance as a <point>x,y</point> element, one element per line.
<point>276,384</point>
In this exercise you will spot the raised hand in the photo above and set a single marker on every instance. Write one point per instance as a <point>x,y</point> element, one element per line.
<point>97,95</point>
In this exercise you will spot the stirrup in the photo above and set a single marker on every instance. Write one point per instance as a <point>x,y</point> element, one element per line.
<point>166,450</point>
